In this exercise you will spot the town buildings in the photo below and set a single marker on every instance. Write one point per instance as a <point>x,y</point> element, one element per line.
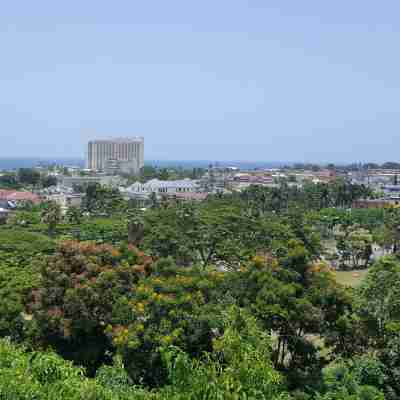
<point>242,181</point>
<point>116,155</point>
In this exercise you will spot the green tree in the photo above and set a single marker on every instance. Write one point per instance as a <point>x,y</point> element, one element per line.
<point>295,300</point>
<point>49,180</point>
<point>83,287</point>
<point>24,219</point>
<point>172,306</point>
<point>391,235</point>
<point>247,373</point>
<point>28,176</point>
<point>147,173</point>
<point>74,215</point>
<point>239,368</point>
<point>51,216</point>
<point>355,246</point>
<point>9,181</point>
<point>102,200</point>
<point>19,253</point>
<point>377,302</point>
<point>154,200</point>
<point>358,380</point>
<point>203,234</point>
<point>378,308</point>
<point>164,174</point>
<point>135,229</point>
<point>19,247</point>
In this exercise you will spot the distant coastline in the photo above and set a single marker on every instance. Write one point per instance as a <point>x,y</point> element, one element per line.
<point>29,162</point>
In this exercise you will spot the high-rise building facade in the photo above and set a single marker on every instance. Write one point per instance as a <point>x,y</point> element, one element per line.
<point>116,155</point>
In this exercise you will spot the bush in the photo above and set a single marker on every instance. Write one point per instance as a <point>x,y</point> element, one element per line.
<point>45,376</point>
<point>19,247</point>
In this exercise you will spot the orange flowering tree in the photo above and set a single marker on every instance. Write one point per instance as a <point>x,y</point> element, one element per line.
<point>173,306</point>
<point>93,300</point>
<point>82,287</point>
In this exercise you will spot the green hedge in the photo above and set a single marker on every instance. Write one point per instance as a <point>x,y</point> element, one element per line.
<point>19,247</point>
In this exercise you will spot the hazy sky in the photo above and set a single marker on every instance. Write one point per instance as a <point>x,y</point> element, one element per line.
<point>202,79</point>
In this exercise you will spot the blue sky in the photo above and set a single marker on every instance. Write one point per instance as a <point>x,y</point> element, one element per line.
<point>211,79</point>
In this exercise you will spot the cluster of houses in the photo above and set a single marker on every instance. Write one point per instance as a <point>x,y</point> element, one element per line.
<point>215,180</point>
<point>64,194</point>
<point>236,181</point>
<point>9,200</point>
<point>219,180</point>
<point>386,182</point>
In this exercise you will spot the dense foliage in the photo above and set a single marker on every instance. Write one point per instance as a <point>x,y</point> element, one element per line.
<point>233,298</point>
<point>20,252</point>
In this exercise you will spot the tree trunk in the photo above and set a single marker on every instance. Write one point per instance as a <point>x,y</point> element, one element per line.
<point>135,233</point>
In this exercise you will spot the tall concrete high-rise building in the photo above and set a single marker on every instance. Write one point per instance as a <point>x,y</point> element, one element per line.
<point>116,155</point>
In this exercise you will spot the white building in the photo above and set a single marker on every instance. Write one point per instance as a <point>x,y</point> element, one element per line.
<point>142,191</point>
<point>112,155</point>
<point>70,181</point>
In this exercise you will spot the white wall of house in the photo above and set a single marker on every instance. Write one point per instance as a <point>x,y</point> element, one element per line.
<point>140,190</point>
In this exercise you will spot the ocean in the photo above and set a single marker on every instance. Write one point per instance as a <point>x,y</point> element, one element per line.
<point>29,162</point>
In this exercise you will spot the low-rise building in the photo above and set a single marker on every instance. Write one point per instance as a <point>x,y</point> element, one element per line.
<point>242,181</point>
<point>71,181</point>
<point>142,191</point>
<point>19,196</point>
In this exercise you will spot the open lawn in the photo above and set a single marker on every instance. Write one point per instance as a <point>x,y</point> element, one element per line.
<point>351,278</point>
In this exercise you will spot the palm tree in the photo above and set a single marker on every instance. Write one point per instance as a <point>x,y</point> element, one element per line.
<point>135,229</point>
<point>51,216</point>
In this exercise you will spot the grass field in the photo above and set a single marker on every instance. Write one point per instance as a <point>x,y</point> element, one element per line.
<point>351,278</point>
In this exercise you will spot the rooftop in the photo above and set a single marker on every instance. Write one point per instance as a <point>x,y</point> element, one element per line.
<point>12,195</point>
<point>133,139</point>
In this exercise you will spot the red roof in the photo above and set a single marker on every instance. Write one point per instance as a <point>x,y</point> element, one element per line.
<point>12,195</point>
